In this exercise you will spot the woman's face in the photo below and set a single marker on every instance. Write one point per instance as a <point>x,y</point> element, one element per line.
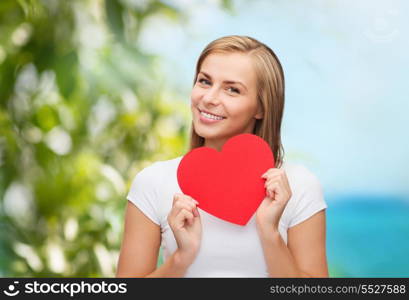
<point>226,89</point>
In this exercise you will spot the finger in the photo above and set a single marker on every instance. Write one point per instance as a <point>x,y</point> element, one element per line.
<point>265,174</point>
<point>184,215</point>
<point>196,212</point>
<point>179,205</point>
<point>277,188</point>
<point>184,201</point>
<point>271,181</point>
<point>189,200</point>
<point>193,210</point>
<point>275,177</point>
<point>275,185</point>
<point>272,189</point>
<point>195,203</point>
<point>272,175</point>
<point>180,196</point>
<point>270,193</point>
<point>270,172</point>
<point>196,220</point>
<point>176,197</point>
<point>275,171</point>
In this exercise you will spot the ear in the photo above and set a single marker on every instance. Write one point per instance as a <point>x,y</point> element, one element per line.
<point>260,113</point>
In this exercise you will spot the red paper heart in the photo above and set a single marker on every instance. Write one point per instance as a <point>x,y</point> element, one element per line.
<point>227,184</point>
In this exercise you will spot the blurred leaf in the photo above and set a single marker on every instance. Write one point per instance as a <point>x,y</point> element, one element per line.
<point>228,5</point>
<point>114,11</point>
<point>66,72</point>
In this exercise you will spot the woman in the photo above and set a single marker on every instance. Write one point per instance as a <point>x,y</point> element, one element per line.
<point>238,88</point>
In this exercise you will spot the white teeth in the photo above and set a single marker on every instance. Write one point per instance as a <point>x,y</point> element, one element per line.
<point>211,116</point>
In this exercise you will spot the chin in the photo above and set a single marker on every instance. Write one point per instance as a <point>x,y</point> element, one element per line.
<point>206,134</point>
<point>210,135</point>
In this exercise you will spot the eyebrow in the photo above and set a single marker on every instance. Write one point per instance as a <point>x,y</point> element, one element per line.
<point>226,81</point>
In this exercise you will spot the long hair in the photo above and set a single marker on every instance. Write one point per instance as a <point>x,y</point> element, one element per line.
<point>270,88</point>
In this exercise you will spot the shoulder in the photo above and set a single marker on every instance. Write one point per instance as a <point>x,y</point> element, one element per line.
<point>307,194</point>
<point>163,165</point>
<point>156,170</point>
<point>151,180</point>
<point>300,177</point>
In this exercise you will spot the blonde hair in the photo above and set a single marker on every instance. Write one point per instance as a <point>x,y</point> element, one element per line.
<point>270,88</point>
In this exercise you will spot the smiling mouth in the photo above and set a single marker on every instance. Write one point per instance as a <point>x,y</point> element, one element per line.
<point>210,116</point>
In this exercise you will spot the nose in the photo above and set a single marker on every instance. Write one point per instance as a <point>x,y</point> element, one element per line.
<point>211,97</point>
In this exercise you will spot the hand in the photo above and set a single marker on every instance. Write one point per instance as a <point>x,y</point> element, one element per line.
<point>184,220</point>
<point>278,193</point>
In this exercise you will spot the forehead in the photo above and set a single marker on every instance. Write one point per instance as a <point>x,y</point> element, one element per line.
<point>229,66</point>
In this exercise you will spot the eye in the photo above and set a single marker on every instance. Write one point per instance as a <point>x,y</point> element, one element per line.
<point>203,81</point>
<point>233,90</point>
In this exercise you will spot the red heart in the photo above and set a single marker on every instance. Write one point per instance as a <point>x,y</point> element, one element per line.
<point>227,184</point>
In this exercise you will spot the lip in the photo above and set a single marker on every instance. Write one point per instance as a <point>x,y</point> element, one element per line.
<point>206,120</point>
<point>208,112</point>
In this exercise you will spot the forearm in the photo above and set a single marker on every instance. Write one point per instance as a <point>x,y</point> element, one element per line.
<point>279,260</point>
<point>174,266</point>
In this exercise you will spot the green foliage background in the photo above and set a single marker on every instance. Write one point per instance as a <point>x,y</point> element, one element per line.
<point>81,112</point>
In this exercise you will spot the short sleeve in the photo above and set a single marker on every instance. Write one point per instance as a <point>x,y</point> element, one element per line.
<point>310,201</point>
<point>143,195</point>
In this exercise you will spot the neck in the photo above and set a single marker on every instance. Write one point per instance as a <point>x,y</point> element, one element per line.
<point>215,144</point>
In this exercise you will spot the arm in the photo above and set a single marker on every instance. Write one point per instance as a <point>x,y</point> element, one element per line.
<point>140,249</point>
<point>305,255</point>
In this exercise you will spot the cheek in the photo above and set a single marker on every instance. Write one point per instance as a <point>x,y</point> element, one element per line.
<point>240,112</point>
<point>195,95</point>
<point>194,101</point>
<point>236,110</point>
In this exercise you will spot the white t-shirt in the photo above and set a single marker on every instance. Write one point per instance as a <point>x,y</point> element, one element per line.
<point>227,249</point>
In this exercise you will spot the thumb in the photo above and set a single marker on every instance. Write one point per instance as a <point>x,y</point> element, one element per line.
<point>197,214</point>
